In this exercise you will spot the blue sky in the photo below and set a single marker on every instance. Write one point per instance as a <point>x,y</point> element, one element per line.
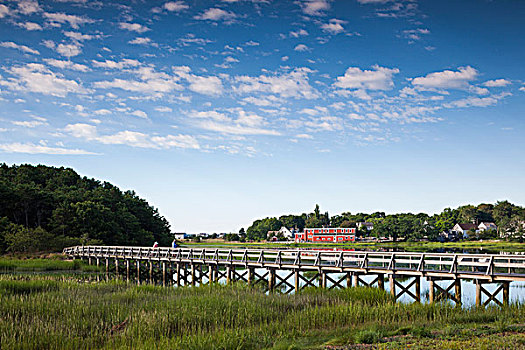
<point>221,112</point>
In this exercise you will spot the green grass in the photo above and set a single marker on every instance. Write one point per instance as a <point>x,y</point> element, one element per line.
<point>44,312</point>
<point>44,265</point>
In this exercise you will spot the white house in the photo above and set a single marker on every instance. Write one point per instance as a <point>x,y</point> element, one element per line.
<point>462,229</point>
<point>487,226</point>
<point>369,225</point>
<point>180,235</point>
<point>284,231</point>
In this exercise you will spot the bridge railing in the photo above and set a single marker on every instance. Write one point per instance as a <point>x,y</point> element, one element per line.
<point>402,262</point>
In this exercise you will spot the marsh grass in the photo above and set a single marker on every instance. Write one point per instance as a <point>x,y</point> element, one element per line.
<point>50,312</point>
<point>44,265</point>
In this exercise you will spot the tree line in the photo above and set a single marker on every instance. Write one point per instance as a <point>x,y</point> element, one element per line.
<point>46,208</point>
<point>509,218</point>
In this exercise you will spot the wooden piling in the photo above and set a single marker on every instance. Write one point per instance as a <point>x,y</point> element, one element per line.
<point>355,278</point>
<point>348,279</point>
<point>228,274</point>
<point>381,281</point>
<point>251,276</point>
<point>164,274</point>
<point>478,293</point>
<point>138,272</point>
<point>417,285</point>
<point>271,279</point>
<point>296,280</point>
<point>127,270</point>
<point>431,290</point>
<point>177,274</point>
<point>392,285</point>
<point>457,290</point>
<point>506,294</point>
<point>210,274</point>
<point>151,272</point>
<point>323,279</point>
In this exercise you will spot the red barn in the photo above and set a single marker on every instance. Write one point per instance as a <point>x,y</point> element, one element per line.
<point>336,234</point>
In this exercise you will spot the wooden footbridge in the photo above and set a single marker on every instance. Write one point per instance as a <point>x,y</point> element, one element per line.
<point>292,270</point>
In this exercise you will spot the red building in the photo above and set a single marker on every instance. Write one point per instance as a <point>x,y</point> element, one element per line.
<point>336,234</point>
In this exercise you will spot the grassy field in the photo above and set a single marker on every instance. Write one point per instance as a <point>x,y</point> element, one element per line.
<point>481,246</point>
<point>44,265</point>
<point>45,312</point>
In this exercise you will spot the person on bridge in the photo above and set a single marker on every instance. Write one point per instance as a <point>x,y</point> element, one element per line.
<point>156,245</point>
<point>174,244</point>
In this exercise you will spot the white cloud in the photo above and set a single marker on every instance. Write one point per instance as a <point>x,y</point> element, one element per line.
<point>301,48</point>
<point>29,123</point>
<point>34,77</point>
<point>132,138</point>
<point>79,36</point>
<point>142,41</point>
<point>163,109</point>
<point>216,14</point>
<point>497,83</point>
<point>298,33</point>
<point>380,78</point>
<point>175,6</point>
<point>29,26</point>
<point>415,34</point>
<point>373,1</point>
<point>472,101</point>
<point>56,19</point>
<point>334,26</point>
<point>211,85</point>
<point>66,65</point>
<point>133,27</point>
<point>245,123</point>
<point>293,84</point>
<point>447,79</point>
<point>304,136</point>
<point>315,7</point>
<point>140,114</point>
<point>102,112</point>
<point>522,88</point>
<point>23,48</point>
<point>28,7</point>
<point>69,50</point>
<point>41,149</point>
<point>4,10</point>
<point>108,64</point>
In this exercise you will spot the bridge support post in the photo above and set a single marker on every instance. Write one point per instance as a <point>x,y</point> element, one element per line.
<point>506,294</point>
<point>151,272</point>
<point>457,290</point>
<point>127,270</point>
<point>417,285</point>
<point>251,276</point>
<point>107,269</point>
<point>355,279</point>
<point>228,274</point>
<point>210,274</point>
<point>164,274</point>
<point>116,268</point>
<point>138,272</point>
<point>392,285</point>
<point>348,279</point>
<point>478,293</point>
<point>296,280</point>
<point>89,260</point>
<point>431,296</point>
<point>381,281</point>
<point>323,279</point>
<point>177,274</point>
<point>271,280</point>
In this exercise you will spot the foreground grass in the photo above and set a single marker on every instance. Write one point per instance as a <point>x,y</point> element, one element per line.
<point>44,312</point>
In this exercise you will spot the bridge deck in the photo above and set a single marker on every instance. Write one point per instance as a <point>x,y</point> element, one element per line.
<point>480,267</point>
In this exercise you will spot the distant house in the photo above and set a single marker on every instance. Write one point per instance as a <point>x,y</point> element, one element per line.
<point>369,225</point>
<point>487,226</point>
<point>180,235</point>
<point>462,229</point>
<point>288,234</point>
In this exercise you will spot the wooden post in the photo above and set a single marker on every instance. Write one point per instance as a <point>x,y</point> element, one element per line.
<point>98,262</point>
<point>506,293</point>
<point>89,260</point>
<point>210,274</point>
<point>296,280</point>
<point>323,279</point>
<point>127,270</point>
<point>355,278</point>
<point>381,281</point>
<point>251,275</point>
<point>478,293</point>
<point>107,268</point>
<point>271,280</point>
<point>177,274</point>
<point>193,274</point>
<point>138,272</point>
<point>164,274</point>
<point>228,274</point>
<point>393,286</point>
<point>151,272</point>
<point>417,285</point>
<point>348,279</point>
<point>116,267</point>
<point>431,290</point>
<point>457,289</point>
